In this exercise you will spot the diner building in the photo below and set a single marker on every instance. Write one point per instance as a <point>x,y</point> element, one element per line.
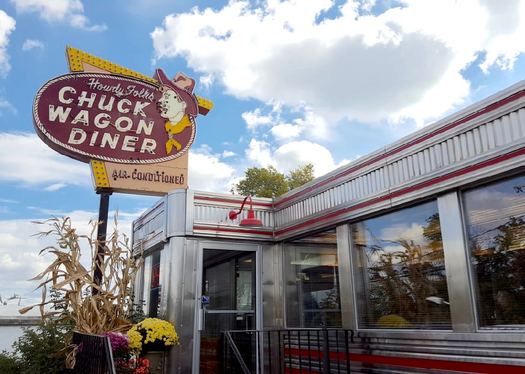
<point>416,251</point>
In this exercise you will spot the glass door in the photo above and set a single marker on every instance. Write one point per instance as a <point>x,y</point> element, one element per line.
<point>228,301</point>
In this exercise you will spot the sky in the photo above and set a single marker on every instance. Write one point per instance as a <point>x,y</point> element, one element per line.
<point>324,81</point>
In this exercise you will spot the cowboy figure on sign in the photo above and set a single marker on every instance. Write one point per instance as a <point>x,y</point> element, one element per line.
<point>178,105</point>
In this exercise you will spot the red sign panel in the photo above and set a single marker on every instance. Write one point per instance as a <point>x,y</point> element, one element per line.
<point>114,118</point>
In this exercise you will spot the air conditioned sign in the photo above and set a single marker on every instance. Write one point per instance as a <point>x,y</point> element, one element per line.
<point>116,118</point>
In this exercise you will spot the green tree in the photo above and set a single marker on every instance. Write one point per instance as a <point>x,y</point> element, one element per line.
<point>301,175</point>
<point>268,182</point>
<point>9,364</point>
<point>262,182</point>
<point>42,349</point>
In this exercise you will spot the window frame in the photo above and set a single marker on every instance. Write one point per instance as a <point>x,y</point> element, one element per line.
<point>357,281</point>
<point>292,245</point>
<point>478,328</point>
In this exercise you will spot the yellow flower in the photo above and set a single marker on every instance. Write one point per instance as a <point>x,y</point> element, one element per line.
<point>392,321</point>
<point>135,340</point>
<point>152,330</point>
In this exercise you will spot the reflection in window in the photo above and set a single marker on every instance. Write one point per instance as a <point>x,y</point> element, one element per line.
<point>229,280</point>
<point>312,286</point>
<point>146,285</point>
<point>401,270</point>
<point>155,286</point>
<point>496,231</point>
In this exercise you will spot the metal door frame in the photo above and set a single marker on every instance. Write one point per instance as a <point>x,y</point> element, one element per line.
<point>226,246</point>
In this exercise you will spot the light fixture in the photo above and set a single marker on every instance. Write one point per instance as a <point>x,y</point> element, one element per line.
<point>248,221</point>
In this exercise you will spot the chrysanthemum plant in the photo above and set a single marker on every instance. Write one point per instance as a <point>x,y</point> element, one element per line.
<point>152,334</point>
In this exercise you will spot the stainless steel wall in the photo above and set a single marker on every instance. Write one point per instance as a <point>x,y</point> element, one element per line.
<point>272,286</point>
<point>150,228</point>
<point>181,303</point>
<point>213,209</point>
<point>210,217</point>
<point>487,348</point>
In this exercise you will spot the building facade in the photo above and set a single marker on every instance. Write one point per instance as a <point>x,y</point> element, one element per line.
<point>418,247</point>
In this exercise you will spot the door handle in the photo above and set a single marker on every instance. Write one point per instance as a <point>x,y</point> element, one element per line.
<point>204,302</point>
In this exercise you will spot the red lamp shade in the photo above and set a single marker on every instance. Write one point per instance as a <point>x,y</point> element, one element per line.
<point>249,221</point>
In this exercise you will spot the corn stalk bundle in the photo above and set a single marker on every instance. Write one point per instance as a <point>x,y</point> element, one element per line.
<point>90,312</point>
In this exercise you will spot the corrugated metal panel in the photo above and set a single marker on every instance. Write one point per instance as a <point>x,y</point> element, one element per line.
<point>407,166</point>
<point>213,209</point>
<point>149,229</point>
<point>212,214</point>
<point>495,347</point>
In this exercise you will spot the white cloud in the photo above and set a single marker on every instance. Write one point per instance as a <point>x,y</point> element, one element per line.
<point>302,121</point>
<point>7,25</point>
<point>507,26</point>
<point>285,131</point>
<point>260,153</point>
<point>55,187</point>
<point>313,125</point>
<point>30,44</point>
<point>292,155</point>
<point>4,104</point>
<point>403,63</point>
<point>226,154</point>
<point>255,119</point>
<point>398,232</point>
<point>25,159</point>
<point>70,11</point>
<point>208,173</point>
<point>206,81</point>
<point>8,201</point>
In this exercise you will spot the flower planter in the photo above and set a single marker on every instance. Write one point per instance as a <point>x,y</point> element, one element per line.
<point>157,361</point>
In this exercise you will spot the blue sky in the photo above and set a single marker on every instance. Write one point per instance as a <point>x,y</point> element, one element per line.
<point>292,81</point>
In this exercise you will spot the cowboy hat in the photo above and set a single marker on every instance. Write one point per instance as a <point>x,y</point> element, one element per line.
<point>176,85</point>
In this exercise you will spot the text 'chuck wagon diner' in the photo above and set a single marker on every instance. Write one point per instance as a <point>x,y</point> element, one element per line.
<point>115,116</point>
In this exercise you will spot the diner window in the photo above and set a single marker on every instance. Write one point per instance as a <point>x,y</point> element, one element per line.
<point>401,281</point>
<point>155,286</point>
<point>312,282</point>
<point>144,302</point>
<point>495,216</point>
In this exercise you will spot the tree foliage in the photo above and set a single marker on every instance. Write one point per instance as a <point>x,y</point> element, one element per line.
<point>42,349</point>
<point>301,175</point>
<point>9,363</point>
<point>269,182</point>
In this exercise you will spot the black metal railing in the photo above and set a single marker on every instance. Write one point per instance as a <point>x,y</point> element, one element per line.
<point>324,351</point>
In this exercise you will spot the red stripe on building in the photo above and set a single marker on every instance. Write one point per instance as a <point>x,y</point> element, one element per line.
<point>424,363</point>
<point>231,201</point>
<point>406,362</point>
<point>233,230</point>
<point>485,110</point>
<point>416,187</point>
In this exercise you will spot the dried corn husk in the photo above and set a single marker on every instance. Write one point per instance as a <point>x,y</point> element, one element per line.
<point>109,308</point>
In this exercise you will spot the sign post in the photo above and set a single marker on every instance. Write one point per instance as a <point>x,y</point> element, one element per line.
<point>102,227</point>
<point>134,131</point>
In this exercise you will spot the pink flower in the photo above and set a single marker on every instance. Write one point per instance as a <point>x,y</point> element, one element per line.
<point>119,341</point>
